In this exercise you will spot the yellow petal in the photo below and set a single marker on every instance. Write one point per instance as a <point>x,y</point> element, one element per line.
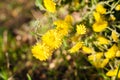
<point>113,73</point>
<point>118,53</point>
<point>97,16</point>
<point>76,47</point>
<point>102,40</point>
<point>100,26</point>
<point>114,36</point>
<point>100,9</point>
<point>111,53</point>
<point>104,63</point>
<point>87,49</point>
<point>95,57</point>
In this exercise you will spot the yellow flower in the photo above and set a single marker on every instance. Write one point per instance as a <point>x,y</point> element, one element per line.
<point>97,16</point>
<point>87,49</point>
<point>111,53</point>
<point>96,56</point>
<point>112,17</point>
<point>76,47</point>
<point>97,61</point>
<point>113,73</point>
<point>104,63</point>
<point>69,19</point>
<point>52,38</point>
<point>100,63</point>
<point>62,27</point>
<point>117,8</point>
<point>114,36</point>
<point>50,5</point>
<point>100,26</point>
<point>81,29</point>
<point>41,51</point>
<point>102,40</point>
<point>100,9</point>
<point>118,53</point>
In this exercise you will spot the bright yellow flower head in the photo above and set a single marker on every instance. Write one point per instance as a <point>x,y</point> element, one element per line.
<point>69,19</point>
<point>97,16</point>
<point>62,27</point>
<point>87,49</point>
<point>81,29</point>
<point>113,73</point>
<point>41,51</point>
<point>100,9</point>
<point>111,53</point>
<point>52,38</point>
<point>50,5</point>
<point>102,40</point>
<point>114,36</point>
<point>117,8</point>
<point>76,47</point>
<point>100,26</point>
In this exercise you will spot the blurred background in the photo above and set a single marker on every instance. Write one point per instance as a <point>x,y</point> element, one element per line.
<point>16,40</point>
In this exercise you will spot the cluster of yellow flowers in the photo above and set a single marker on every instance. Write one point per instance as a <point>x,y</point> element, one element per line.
<point>107,45</point>
<point>52,39</point>
<point>102,58</point>
<point>100,23</point>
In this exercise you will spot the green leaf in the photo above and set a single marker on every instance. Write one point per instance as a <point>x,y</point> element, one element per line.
<point>39,3</point>
<point>28,76</point>
<point>116,77</point>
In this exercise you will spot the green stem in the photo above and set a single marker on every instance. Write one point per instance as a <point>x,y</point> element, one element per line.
<point>116,77</point>
<point>115,5</point>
